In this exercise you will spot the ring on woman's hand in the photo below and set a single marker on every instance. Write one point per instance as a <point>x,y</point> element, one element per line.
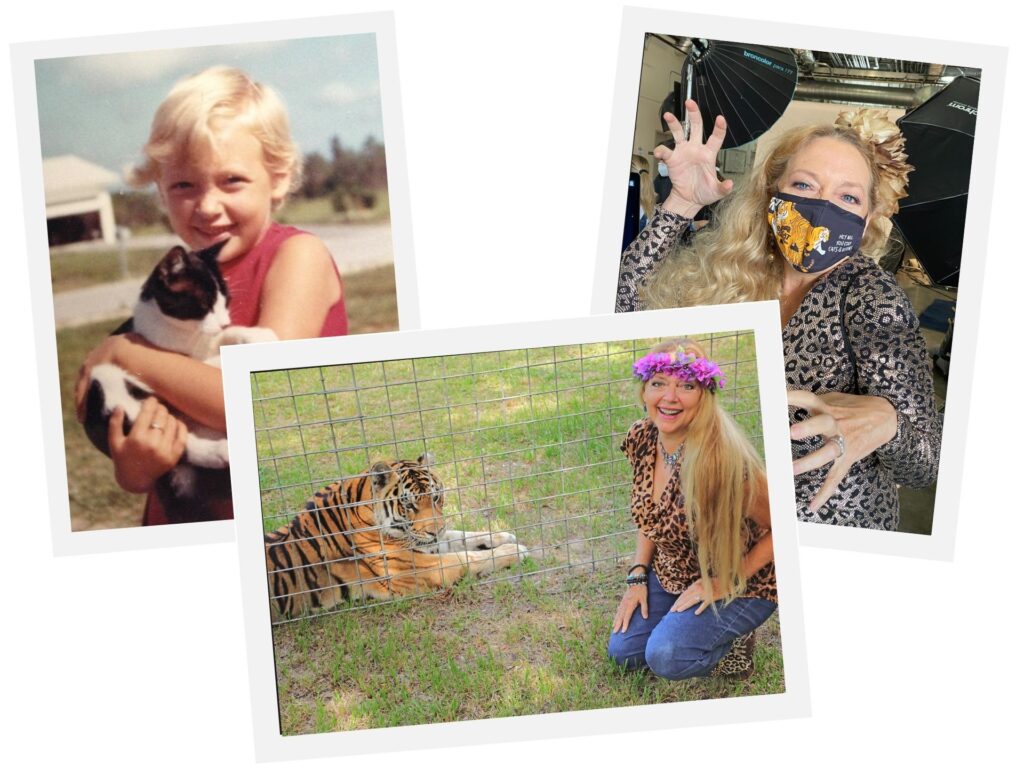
<point>840,444</point>
<point>156,426</point>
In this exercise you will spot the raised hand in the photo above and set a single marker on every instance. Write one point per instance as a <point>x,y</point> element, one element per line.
<point>691,165</point>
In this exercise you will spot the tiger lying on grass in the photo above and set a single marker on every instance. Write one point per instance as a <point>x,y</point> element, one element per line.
<point>377,535</point>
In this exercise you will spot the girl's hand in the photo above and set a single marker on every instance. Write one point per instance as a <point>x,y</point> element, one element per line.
<point>636,594</point>
<point>106,352</point>
<point>110,350</point>
<point>694,595</point>
<point>691,165</point>
<point>864,422</point>
<point>152,448</point>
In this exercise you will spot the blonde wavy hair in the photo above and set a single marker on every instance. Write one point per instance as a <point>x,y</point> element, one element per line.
<point>187,119</point>
<point>733,258</point>
<point>719,475</point>
<point>639,164</point>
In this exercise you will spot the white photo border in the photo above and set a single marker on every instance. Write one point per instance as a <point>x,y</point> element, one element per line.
<point>23,58</point>
<point>939,545</point>
<point>240,362</point>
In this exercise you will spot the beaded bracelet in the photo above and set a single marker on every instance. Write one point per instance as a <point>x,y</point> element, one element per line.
<point>633,580</point>
<point>639,578</point>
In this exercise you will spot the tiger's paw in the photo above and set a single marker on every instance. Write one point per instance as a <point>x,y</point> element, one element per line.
<point>502,538</point>
<point>510,554</point>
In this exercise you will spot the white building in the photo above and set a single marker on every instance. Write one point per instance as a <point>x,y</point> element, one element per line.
<point>78,205</point>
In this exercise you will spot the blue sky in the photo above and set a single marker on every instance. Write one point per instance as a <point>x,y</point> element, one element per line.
<point>100,107</point>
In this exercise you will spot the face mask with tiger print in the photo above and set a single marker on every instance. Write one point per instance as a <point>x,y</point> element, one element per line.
<point>813,234</point>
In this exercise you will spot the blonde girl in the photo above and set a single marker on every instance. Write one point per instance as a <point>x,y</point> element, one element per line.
<point>222,160</point>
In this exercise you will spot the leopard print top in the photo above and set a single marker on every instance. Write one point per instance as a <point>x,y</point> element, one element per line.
<point>880,353</point>
<point>663,521</point>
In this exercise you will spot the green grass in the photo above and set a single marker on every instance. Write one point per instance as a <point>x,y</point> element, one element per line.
<point>524,440</point>
<point>76,269</point>
<point>96,501</point>
<point>500,650</point>
<point>300,211</point>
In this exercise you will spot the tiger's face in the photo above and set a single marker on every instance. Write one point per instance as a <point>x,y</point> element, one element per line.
<point>409,501</point>
<point>796,236</point>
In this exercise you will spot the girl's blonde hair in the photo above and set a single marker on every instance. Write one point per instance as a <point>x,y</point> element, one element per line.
<point>641,166</point>
<point>186,122</point>
<point>720,476</point>
<point>732,260</point>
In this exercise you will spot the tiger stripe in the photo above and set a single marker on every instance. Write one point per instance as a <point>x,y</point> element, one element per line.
<point>346,536</point>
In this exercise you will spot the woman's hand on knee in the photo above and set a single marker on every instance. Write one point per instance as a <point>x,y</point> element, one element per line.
<point>636,594</point>
<point>153,446</point>
<point>695,594</point>
<point>852,426</point>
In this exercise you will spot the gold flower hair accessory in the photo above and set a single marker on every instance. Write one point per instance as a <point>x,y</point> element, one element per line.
<point>887,142</point>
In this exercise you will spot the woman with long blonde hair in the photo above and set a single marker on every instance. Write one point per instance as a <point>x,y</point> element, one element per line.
<point>700,502</point>
<point>806,228</point>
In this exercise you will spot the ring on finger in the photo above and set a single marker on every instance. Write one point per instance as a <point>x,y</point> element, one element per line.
<point>840,442</point>
<point>156,426</point>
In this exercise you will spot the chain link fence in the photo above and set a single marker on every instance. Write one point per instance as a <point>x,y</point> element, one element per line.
<point>525,441</point>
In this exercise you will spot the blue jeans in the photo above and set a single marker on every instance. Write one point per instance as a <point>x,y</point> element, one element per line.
<point>680,645</point>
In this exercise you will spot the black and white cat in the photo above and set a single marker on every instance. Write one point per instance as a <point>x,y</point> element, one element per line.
<point>183,307</point>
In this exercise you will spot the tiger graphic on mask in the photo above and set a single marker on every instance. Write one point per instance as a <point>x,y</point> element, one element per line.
<point>797,238</point>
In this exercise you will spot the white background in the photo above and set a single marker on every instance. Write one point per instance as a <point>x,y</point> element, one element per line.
<point>139,658</point>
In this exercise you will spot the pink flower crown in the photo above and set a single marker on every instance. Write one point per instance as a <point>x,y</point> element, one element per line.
<point>680,365</point>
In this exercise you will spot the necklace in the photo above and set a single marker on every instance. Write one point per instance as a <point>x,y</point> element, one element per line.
<point>671,459</point>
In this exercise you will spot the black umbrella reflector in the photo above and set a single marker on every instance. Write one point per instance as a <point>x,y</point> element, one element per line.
<point>751,85</point>
<point>935,231</point>
<point>673,103</point>
<point>940,143</point>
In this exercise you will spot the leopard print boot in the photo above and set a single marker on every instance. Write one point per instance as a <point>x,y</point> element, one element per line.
<point>738,662</point>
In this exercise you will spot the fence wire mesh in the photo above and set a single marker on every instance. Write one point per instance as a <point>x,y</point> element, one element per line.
<point>525,441</point>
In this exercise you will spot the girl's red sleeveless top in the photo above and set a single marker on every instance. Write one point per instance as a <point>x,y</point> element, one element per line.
<point>245,277</point>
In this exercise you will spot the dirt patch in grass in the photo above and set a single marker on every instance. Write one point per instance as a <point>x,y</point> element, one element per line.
<point>526,646</point>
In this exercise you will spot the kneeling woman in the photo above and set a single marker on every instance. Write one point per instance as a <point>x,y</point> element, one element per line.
<point>703,578</point>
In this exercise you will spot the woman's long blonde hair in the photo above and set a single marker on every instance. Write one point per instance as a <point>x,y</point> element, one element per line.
<point>641,166</point>
<point>732,260</point>
<point>720,476</point>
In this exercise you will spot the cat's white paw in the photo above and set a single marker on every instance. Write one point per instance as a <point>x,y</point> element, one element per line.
<point>204,452</point>
<point>237,334</point>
